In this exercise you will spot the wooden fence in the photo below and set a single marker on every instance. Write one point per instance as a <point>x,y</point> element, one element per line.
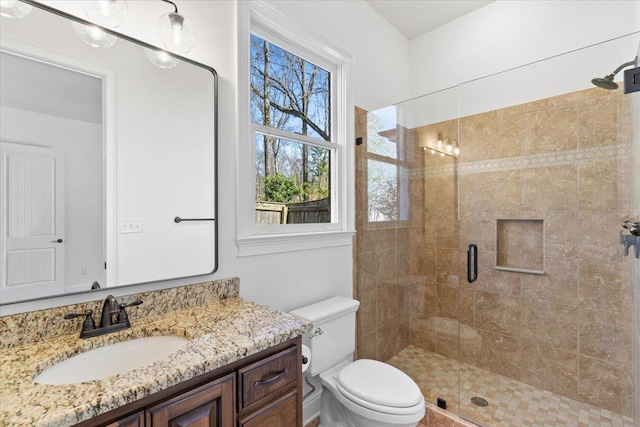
<point>316,211</point>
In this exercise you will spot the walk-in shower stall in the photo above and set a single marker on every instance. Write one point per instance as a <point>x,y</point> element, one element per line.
<point>492,263</point>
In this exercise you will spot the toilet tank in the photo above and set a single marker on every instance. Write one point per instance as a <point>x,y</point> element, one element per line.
<point>336,319</point>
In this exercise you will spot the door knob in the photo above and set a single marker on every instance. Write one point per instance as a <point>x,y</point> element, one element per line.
<point>58,241</point>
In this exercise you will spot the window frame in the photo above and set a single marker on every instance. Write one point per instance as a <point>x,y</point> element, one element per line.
<point>266,22</point>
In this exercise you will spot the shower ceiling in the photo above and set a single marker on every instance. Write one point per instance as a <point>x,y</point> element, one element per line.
<point>416,17</point>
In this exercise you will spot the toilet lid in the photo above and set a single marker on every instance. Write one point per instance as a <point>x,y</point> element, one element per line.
<point>378,383</point>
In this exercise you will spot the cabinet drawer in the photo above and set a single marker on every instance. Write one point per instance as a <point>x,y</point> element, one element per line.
<point>281,413</point>
<point>258,380</point>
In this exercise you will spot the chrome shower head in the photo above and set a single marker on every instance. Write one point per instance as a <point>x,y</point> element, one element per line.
<point>607,82</point>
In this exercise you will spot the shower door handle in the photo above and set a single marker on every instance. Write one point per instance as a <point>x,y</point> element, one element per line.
<point>472,257</point>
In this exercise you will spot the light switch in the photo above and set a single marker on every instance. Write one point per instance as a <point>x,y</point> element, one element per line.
<point>131,226</point>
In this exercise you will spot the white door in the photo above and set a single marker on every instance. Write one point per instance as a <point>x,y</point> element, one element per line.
<point>32,222</point>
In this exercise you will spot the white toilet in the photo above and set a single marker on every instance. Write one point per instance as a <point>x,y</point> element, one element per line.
<point>364,393</point>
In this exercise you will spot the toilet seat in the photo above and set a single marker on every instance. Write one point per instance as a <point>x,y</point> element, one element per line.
<point>379,387</point>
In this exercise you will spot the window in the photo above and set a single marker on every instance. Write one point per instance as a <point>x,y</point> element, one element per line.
<point>295,167</point>
<point>387,170</point>
<point>291,122</point>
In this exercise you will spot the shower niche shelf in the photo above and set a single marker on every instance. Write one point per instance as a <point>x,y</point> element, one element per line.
<point>520,245</point>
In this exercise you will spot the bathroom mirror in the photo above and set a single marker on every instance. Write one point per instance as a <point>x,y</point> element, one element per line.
<point>108,173</point>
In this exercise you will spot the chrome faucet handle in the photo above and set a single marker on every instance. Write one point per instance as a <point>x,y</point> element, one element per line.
<point>88,324</point>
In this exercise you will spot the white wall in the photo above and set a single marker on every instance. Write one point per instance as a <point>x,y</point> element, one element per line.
<point>381,53</point>
<point>507,34</point>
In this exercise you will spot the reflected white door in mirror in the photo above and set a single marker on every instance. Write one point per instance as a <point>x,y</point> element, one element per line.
<point>52,195</point>
<point>32,213</point>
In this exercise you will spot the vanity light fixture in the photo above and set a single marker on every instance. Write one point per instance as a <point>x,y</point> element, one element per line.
<point>14,8</point>
<point>107,13</point>
<point>443,146</point>
<point>160,58</point>
<point>177,35</point>
<point>93,35</point>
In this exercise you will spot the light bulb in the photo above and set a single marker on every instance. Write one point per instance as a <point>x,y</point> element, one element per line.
<point>456,151</point>
<point>14,9</point>
<point>432,151</point>
<point>441,154</point>
<point>449,148</point>
<point>103,7</point>
<point>176,32</point>
<point>439,144</point>
<point>93,36</point>
<point>161,59</point>
<point>96,33</point>
<point>107,13</point>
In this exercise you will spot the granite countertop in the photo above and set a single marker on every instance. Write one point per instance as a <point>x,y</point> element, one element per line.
<point>220,333</point>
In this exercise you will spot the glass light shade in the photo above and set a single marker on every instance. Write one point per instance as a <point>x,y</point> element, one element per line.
<point>93,35</point>
<point>439,143</point>
<point>161,59</point>
<point>108,13</point>
<point>14,8</point>
<point>456,151</point>
<point>176,32</point>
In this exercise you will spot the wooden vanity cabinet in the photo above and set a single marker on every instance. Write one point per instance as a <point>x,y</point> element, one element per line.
<point>263,390</point>
<point>135,420</point>
<point>209,405</point>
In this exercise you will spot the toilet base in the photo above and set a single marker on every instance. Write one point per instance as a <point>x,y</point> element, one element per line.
<point>334,414</point>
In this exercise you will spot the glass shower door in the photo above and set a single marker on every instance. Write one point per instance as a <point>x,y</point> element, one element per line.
<point>544,179</point>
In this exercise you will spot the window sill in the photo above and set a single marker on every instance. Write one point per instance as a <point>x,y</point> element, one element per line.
<point>271,244</point>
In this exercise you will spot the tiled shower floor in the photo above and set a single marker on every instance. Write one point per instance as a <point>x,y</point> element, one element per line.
<point>511,403</point>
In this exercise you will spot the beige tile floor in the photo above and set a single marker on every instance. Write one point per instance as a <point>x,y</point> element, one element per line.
<point>511,403</point>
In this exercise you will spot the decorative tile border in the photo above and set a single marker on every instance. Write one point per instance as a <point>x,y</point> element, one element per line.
<point>558,158</point>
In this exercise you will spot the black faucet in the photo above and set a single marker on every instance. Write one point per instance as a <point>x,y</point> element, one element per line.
<point>113,318</point>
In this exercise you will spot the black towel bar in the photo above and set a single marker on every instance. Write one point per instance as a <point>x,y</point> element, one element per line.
<point>178,220</point>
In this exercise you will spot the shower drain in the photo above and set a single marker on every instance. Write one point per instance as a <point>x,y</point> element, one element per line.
<point>479,401</point>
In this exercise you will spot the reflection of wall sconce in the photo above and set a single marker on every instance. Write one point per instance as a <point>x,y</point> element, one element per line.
<point>14,8</point>
<point>174,29</point>
<point>444,146</point>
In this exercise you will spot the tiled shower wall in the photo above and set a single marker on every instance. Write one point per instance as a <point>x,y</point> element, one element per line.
<point>564,160</point>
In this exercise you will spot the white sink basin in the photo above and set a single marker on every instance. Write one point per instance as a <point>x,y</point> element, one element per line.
<point>111,360</point>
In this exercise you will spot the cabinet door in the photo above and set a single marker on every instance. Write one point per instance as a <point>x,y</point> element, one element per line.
<point>210,405</point>
<point>281,413</point>
<point>135,420</point>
